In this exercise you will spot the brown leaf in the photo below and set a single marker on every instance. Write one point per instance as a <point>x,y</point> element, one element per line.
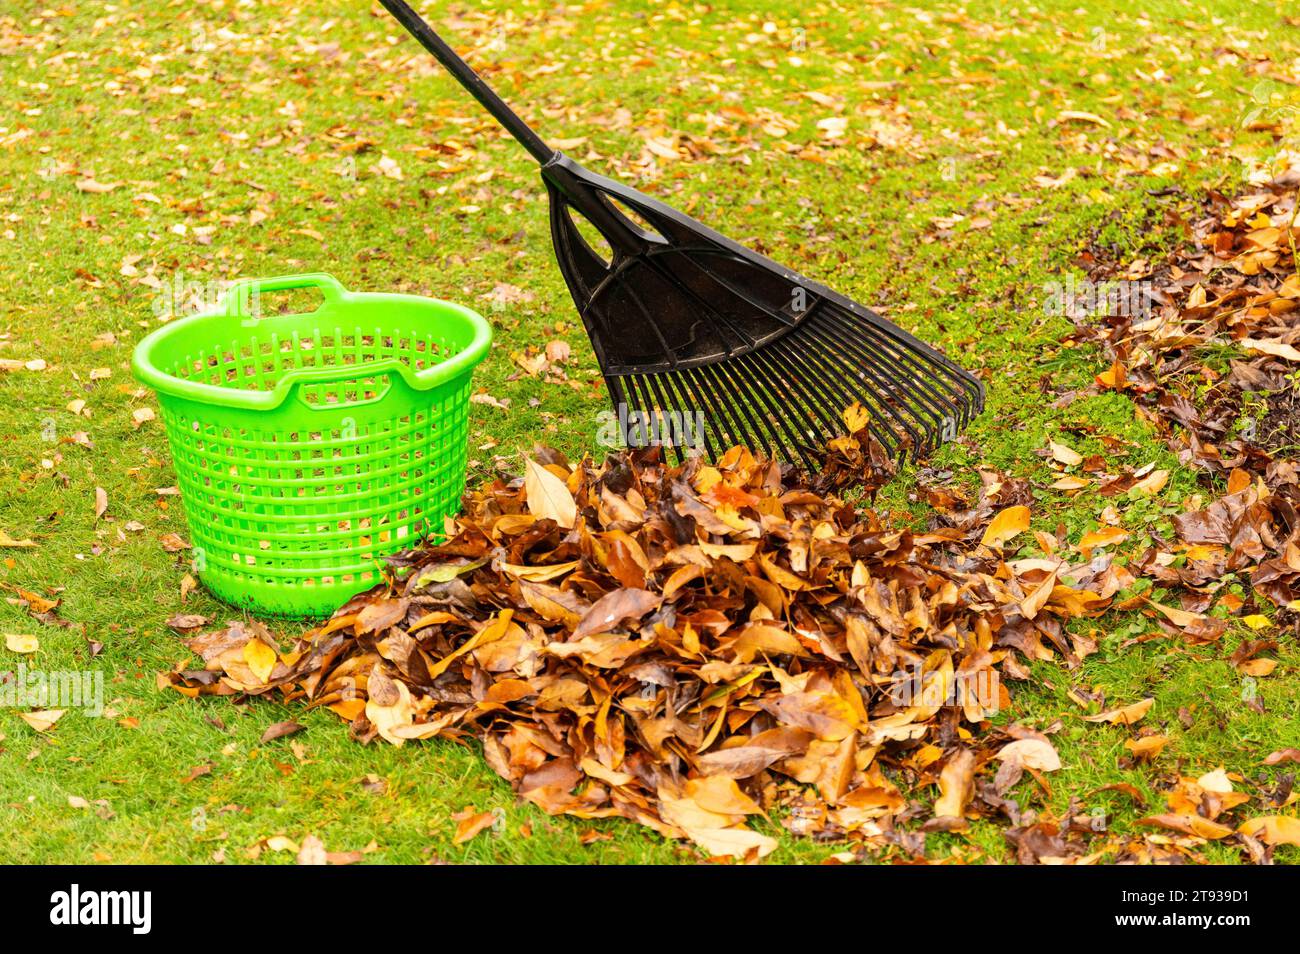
<point>1188,825</point>
<point>956,785</point>
<point>281,729</point>
<point>470,823</point>
<point>614,608</point>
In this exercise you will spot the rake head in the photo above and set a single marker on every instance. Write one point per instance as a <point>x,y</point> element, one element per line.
<point>705,344</point>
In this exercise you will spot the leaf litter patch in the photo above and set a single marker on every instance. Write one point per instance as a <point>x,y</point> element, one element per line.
<point>714,650</point>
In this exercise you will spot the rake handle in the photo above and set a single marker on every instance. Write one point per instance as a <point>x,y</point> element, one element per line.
<point>480,90</point>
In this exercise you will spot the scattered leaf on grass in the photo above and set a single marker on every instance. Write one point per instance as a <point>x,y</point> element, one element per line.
<point>469,823</point>
<point>1125,715</point>
<point>21,643</point>
<point>280,730</point>
<point>42,720</point>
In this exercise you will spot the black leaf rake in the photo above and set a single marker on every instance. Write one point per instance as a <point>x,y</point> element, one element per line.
<point>706,344</point>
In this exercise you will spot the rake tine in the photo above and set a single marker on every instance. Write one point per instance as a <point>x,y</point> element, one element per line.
<point>854,378</point>
<point>932,369</point>
<point>935,380</point>
<point>636,415</point>
<point>753,401</point>
<point>667,417</point>
<point>685,386</point>
<point>932,390</point>
<point>661,385</point>
<point>823,384</point>
<point>729,434</point>
<point>866,371</point>
<point>651,421</point>
<point>751,435</point>
<point>616,393</point>
<point>767,392</point>
<point>706,442</point>
<point>775,360</point>
<point>905,395</point>
<point>794,397</point>
<point>674,415</point>
<point>776,315</point>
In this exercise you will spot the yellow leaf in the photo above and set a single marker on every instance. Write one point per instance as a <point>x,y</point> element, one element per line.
<point>260,658</point>
<point>388,718</point>
<point>956,785</point>
<point>1114,378</point>
<point>720,842</point>
<point>1273,829</point>
<point>489,633</point>
<point>539,574</point>
<point>1179,617</point>
<point>548,496</point>
<point>1126,715</point>
<point>1076,115</point>
<point>1147,747</point>
<point>1007,524</point>
<point>1216,781</point>
<point>1151,484</point>
<point>470,823</point>
<point>90,185</point>
<point>1257,667</point>
<point>1188,825</point>
<point>21,643</point>
<point>1257,621</point>
<point>1037,754</point>
<point>1103,537</point>
<point>855,417</point>
<point>8,541</point>
<point>348,709</point>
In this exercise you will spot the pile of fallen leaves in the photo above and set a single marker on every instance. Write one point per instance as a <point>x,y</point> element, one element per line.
<point>688,646</point>
<point>1214,367</point>
<point>1212,356</point>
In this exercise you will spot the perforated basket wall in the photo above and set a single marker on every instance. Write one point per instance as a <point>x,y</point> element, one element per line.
<point>354,445</point>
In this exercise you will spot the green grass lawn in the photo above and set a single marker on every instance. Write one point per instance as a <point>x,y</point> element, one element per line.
<point>244,139</point>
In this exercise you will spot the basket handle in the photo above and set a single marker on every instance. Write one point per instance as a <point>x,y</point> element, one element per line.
<point>390,369</point>
<point>247,292</point>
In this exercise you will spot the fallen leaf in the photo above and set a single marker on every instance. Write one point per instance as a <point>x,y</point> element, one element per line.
<point>470,823</point>
<point>548,497</point>
<point>21,643</point>
<point>1273,829</point>
<point>1007,524</point>
<point>956,785</point>
<point>42,720</point>
<point>1037,754</point>
<point>1125,715</point>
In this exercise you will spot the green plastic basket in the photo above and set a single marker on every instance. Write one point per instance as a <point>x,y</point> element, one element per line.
<point>308,446</point>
